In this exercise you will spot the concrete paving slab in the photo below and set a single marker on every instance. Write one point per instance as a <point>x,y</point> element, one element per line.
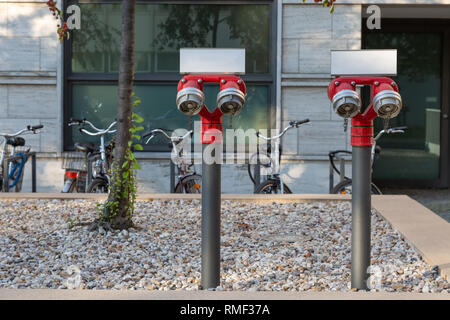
<point>177,196</point>
<point>58,294</point>
<point>428,233</point>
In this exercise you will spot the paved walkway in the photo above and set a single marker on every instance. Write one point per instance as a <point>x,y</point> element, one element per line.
<point>437,200</point>
<point>52,294</point>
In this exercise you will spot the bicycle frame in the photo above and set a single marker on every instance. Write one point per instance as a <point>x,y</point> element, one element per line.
<point>274,156</point>
<point>101,133</point>
<point>378,136</point>
<point>332,155</point>
<point>5,137</point>
<point>182,168</point>
<point>28,130</point>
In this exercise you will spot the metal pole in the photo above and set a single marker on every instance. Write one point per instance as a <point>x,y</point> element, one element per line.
<point>211,179</point>
<point>342,169</point>
<point>89,173</point>
<point>361,208</point>
<point>331,179</point>
<point>172,176</point>
<point>33,172</point>
<point>6,175</point>
<point>257,173</point>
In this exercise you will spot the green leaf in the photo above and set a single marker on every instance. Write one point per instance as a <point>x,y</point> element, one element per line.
<point>137,118</point>
<point>140,128</point>
<point>136,166</point>
<point>125,164</point>
<point>138,147</point>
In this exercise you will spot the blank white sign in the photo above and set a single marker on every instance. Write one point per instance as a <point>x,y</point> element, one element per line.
<point>364,63</point>
<point>212,61</point>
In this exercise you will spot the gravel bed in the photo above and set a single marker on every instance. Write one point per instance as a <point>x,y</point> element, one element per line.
<point>273,246</point>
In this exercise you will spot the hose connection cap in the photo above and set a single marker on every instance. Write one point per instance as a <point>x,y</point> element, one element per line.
<point>231,101</point>
<point>387,104</point>
<point>190,100</point>
<point>346,103</point>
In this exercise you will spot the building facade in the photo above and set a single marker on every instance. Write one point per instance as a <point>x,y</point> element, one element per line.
<point>288,46</point>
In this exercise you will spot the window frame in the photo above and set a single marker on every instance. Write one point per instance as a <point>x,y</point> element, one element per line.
<point>70,78</point>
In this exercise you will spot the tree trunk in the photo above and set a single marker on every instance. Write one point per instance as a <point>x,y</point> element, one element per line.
<point>121,218</point>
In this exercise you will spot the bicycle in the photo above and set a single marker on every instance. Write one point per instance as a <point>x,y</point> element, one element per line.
<point>15,161</point>
<point>75,166</point>
<point>101,157</point>
<point>188,181</point>
<point>345,185</point>
<point>271,163</point>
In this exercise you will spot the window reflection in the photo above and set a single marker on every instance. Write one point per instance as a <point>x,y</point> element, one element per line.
<point>415,154</point>
<point>161,30</point>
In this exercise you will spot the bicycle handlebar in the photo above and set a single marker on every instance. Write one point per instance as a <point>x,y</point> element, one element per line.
<point>33,128</point>
<point>153,132</point>
<point>74,122</point>
<point>390,130</point>
<point>298,123</point>
<point>291,125</point>
<point>28,128</point>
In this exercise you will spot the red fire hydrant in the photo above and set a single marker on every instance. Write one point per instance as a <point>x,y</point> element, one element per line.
<point>386,103</point>
<point>230,101</point>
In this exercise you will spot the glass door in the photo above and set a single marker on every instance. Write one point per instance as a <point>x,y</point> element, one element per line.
<point>417,157</point>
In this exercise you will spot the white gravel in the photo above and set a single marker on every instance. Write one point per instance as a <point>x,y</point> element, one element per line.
<point>276,246</point>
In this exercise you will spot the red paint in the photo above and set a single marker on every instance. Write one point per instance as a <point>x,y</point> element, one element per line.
<point>211,125</point>
<point>197,81</point>
<point>71,174</point>
<point>211,121</point>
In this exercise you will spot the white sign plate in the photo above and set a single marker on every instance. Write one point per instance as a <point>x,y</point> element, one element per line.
<point>212,61</point>
<point>364,63</point>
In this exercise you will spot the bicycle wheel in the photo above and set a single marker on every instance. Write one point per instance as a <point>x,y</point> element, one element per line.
<point>190,184</point>
<point>69,186</point>
<point>272,186</point>
<point>98,186</point>
<point>345,187</point>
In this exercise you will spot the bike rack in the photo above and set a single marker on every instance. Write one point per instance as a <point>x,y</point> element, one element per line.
<point>172,176</point>
<point>355,69</point>
<point>6,162</point>
<point>341,171</point>
<point>222,66</point>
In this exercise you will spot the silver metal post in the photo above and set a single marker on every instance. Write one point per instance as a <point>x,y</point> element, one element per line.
<point>342,169</point>
<point>361,211</point>
<point>211,197</point>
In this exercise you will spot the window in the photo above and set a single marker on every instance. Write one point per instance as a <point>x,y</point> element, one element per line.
<point>92,61</point>
<point>418,157</point>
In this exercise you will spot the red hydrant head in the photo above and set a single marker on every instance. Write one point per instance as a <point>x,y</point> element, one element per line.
<point>230,100</point>
<point>346,101</point>
<point>231,97</point>
<point>190,97</point>
<point>386,104</point>
<point>386,101</point>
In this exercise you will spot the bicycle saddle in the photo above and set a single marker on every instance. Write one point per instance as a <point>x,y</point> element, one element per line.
<point>85,147</point>
<point>15,141</point>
